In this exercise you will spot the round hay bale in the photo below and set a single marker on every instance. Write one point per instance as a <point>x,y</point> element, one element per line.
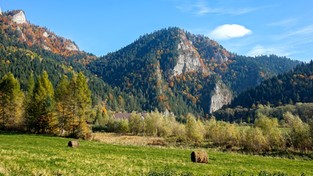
<point>199,157</point>
<point>73,144</point>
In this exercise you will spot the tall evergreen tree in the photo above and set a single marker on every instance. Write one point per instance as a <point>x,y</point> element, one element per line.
<point>80,97</point>
<point>11,101</point>
<point>63,105</point>
<point>42,107</point>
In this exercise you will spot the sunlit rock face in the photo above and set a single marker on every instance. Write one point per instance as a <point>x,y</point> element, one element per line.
<point>221,96</point>
<point>19,18</point>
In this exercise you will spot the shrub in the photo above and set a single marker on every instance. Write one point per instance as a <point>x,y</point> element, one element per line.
<point>194,129</point>
<point>179,131</point>
<point>136,123</point>
<point>254,140</point>
<point>222,133</point>
<point>299,132</point>
<point>121,126</point>
<point>271,131</point>
<point>156,124</point>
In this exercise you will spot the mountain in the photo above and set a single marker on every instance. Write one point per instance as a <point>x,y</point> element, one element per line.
<point>27,49</point>
<point>289,88</point>
<point>174,70</point>
<point>169,69</point>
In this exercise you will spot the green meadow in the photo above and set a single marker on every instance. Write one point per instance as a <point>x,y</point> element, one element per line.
<point>25,154</point>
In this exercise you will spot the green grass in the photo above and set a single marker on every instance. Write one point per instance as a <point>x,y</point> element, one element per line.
<point>22,154</point>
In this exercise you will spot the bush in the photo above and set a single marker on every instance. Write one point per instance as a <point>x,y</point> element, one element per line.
<point>121,126</point>
<point>156,124</point>
<point>271,131</point>
<point>299,132</point>
<point>254,140</point>
<point>194,129</point>
<point>222,133</point>
<point>136,123</point>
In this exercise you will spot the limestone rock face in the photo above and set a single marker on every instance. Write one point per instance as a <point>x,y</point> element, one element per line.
<point>221,96</point>
<point>188,59</point>
<point>0,11</point>
<point>19,18</point>
<point>72,47</point>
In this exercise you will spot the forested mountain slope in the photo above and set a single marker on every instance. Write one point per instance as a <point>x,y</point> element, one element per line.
<point>27,49</point>
<point>174,70</point>
<point>289,88</point>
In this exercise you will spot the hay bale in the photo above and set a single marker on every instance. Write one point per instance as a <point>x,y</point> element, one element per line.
<point>73,144</point>
<point>199,157</point>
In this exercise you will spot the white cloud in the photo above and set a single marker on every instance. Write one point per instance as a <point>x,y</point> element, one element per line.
<point>201,7</point>
<point>261,50</point>
<point>284,23</point>
<point>229,31</point>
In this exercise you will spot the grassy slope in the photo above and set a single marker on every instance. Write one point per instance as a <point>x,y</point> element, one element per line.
<point>35,155</point>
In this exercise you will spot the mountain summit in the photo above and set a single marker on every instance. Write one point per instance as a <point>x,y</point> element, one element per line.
<point>35,36</point>
<point>19,17</point>
<point>174,70</point>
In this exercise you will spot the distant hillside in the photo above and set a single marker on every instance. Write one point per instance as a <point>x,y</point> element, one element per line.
<point>289,88</point>
<point>174,70</point>
<point>169,69</point>
<point>27,49</point>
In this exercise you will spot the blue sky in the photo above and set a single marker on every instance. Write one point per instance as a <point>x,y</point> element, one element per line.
<point>247,27</point>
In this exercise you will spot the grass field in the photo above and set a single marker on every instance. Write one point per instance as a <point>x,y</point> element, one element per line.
<point>23,154</point>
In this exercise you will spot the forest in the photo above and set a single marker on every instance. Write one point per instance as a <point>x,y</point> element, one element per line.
<point>67,110</point>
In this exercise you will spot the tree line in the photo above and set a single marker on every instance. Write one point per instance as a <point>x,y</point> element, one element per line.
<point>66,110</point>
<point>42,109</point>
<point>266,134</point>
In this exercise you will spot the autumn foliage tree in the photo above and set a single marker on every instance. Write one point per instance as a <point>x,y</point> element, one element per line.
<point>80,103</point>
<point>41,111</point>
<point>11,101</point>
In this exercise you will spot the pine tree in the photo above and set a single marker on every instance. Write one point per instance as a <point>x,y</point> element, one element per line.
<point>11,101</point>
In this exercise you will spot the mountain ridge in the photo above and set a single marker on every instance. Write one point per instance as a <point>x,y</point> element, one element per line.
<point>168,69</point>
<point>160,64</point>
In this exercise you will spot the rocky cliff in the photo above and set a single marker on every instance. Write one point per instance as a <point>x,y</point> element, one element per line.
<point>19,17</point>
<point>189,59</point>
<point>221,96</point>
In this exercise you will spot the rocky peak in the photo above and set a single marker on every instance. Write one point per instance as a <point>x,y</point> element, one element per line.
<point>188,59</point>
<point>19,17</point>
<point>0,11</point>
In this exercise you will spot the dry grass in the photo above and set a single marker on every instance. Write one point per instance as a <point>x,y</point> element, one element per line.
<point>113,138</point>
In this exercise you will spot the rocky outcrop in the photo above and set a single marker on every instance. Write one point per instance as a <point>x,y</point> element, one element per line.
<point>71,47</point>
<point>21,33</point>
<point>0,11</point>
<point>19,18</point>
<point>188,59</point>
<point>45,34</point>
<point>221,96</point>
